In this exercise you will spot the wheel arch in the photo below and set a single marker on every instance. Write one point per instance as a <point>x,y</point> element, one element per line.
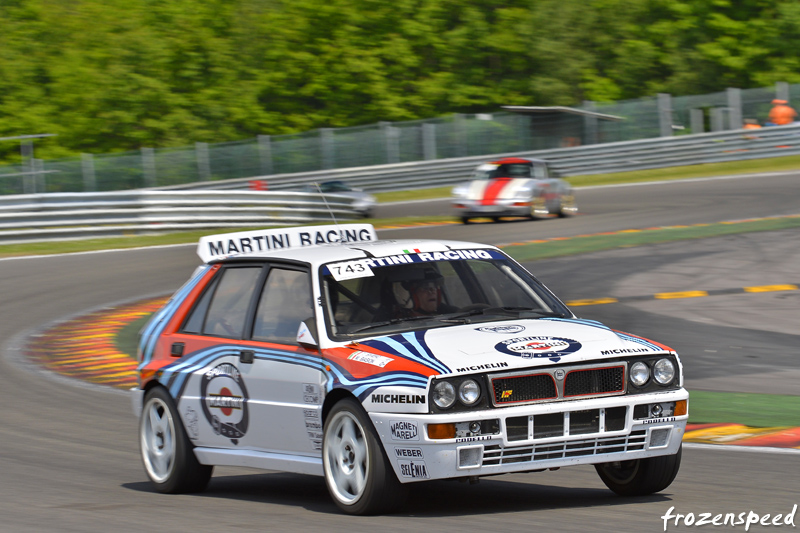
<point>332,398</point>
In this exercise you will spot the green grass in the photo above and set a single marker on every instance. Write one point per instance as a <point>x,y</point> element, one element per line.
<point>758,410</point>
<point>127,340</point>
<point>595,243</point>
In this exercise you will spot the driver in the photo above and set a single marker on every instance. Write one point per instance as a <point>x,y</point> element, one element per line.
<point>426,295</point>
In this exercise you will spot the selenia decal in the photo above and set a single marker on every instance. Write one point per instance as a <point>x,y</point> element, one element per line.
<point>542,346</point>
<point>224,401</point>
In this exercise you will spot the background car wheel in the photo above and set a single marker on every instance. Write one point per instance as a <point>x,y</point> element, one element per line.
<point>357,472</point>
<point>166,451</point>
<point>538,208</point>
<point>640,476</point>
<point>567,206</point>
<point>465,220</point>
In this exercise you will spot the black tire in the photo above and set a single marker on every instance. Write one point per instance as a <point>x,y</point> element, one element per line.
<point>465,220</point>
<point>167,454</point>
<point>640,477</point>
<point>358,474</point>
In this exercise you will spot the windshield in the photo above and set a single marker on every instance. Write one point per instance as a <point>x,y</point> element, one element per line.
<point>399,293</point>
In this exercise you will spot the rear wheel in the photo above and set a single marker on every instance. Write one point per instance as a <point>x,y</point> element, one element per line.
<point>166,450</point>
<point>640,477</point>
<point>357,472</point>
<point>465,220</point>
<point>567,206</point>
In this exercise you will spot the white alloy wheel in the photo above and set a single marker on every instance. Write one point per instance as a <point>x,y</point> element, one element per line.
<point>157,434</point>
<point>347,458</point>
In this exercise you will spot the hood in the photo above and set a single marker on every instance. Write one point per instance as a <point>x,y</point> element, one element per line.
<point>511,345</point>
<point>488,191</point>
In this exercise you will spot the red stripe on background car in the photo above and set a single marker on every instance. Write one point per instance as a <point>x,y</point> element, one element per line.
<point>493,190</point>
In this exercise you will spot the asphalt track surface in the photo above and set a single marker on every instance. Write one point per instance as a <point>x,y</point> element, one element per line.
<point>69,455</point>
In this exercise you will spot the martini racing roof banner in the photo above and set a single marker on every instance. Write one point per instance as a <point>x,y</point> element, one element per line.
<point>225,245</point>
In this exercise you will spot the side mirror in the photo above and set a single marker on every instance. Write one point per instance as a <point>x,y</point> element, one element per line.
<point>306,334</point>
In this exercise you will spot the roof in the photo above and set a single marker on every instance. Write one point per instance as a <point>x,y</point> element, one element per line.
<point>318,244</point>
<point>553,110</point>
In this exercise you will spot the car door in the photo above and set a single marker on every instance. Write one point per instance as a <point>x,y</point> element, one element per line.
<point>286,378</point>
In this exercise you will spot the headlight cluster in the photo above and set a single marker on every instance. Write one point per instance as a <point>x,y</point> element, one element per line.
<point>445,393</point>
<point>662,371</point>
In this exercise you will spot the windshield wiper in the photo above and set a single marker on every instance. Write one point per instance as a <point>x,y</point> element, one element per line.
<point>389,323</point>
<point>523,312</point>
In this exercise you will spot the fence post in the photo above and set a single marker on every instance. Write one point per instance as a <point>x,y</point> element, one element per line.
<point>665,114</point>
<point>39,175</point>
<point>327,148</point>
<point>590,123</point>
<point>28,176</point>
<point>265,154</point>
<point>718,118</point>
<point>428,141</point>
<point>734,108</point>
<point>459,122</point>
<point>203,163</point>
<point>782,90</point>
<point>89,177</point>
<point>391,138</point>
<point>696,120</point>
<point>149,166</point>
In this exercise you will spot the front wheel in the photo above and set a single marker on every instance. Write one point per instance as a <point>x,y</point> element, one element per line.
<point>640,477</point>
<point>358,475</point>
<point>166,450</point>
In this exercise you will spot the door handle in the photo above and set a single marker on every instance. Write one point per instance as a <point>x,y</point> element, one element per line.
<point>246,356</point>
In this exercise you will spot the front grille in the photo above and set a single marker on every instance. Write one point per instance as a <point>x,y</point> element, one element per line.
<point>558,384</point>
<point>594,381</point>
<point>524,389</point>
<point>548,425</point>
<point>497,455</point>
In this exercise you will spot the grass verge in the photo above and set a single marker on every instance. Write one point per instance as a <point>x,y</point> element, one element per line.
<point>758,410</point>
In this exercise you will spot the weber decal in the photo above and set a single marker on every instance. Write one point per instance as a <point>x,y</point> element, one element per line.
<point>402,430</point>
<point>539,347</point>
<point>408,453</point>
<point>224,401</point>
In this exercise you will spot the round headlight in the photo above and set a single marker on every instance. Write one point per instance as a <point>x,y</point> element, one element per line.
<point>640,373</point>
<point>664,371</point>
<point>444,395</point>
<point>469,391</point>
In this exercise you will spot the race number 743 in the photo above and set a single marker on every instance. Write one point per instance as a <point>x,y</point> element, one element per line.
<point>350,270</point>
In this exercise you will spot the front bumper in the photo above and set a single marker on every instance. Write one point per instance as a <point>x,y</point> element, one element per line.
<point>501,208</point>
<point>417,457</point>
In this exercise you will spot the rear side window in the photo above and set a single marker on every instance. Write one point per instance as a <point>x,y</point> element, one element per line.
<point>222,311</point>
<point>284,304</point>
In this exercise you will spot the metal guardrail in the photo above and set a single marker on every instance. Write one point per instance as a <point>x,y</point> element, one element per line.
<point>736,145</point>
<point>63,216</point>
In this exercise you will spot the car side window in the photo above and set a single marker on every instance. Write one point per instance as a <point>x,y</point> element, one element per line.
<point>227,310</point>
<point>285,302</point>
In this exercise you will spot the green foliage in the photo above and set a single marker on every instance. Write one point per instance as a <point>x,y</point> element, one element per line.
<point>117,75</point>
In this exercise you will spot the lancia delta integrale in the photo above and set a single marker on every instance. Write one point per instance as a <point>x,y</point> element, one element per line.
<point>381,364</point>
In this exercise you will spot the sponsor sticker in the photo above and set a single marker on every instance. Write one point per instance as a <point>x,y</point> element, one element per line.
<point>408,453</point>
<point>224,401</point>
<point>403,430</point>
<point>508,329</point>
<point>311,393</point>
<point>350,270</point>
<point>370,359</point>
<point>313,427</point>
<point>413,469</point>
<point>539,347</point>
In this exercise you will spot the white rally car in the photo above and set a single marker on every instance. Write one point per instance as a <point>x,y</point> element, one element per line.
<point>513,187</point>
<point>379,364</point>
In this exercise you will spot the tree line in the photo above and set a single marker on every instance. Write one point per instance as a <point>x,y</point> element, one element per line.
<point>114,75</point>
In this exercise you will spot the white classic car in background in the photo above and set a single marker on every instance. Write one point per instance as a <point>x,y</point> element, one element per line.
<point>513,187</point>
